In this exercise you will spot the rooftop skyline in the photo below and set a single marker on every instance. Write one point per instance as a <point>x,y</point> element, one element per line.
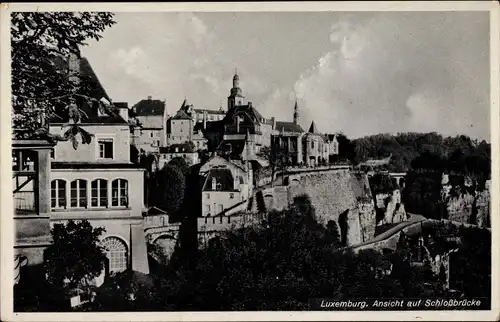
<point>359,72</point>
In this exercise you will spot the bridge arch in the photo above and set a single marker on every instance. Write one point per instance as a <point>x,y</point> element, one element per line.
<point>166,235</point>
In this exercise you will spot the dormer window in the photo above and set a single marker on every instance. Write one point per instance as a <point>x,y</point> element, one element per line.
<point>214,184</point>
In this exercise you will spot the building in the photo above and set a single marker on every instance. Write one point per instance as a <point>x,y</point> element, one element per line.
<point>184,151</point>
<point>188,125</point>
<point>97,182</point>
<point>152,116</point>
<point>226,184</point>
<point>31,194</point>
<point>296,147</point>
<point>180,126</point>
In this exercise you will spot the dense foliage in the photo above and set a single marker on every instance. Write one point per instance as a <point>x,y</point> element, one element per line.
<point>180,163</point>
<point>281,264</point>
<point>166,188</point>
<point>75,258</point>
<point>465,154</point>
<point>42,84</point>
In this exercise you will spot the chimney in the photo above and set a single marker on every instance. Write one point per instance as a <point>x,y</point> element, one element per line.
<point>237,124</point>
<point>273,119</point>
<point>204,120</point>
<point>249,104</point>
<point>150,97</point>
<point>123,110</point>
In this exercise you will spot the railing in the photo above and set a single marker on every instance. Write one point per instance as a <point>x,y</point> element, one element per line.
<point>25,201</point>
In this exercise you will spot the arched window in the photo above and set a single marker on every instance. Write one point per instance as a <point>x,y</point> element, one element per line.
<point>99,193</point>
<point>78,197</point>
<point>117,254</point>
<point>119,193</point>
<point>58,193</point>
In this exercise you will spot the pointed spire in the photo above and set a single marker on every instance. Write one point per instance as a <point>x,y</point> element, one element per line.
<point>313,129</point>
<point>236,79</point>
<point>184,103</point>
<point>296,113</point>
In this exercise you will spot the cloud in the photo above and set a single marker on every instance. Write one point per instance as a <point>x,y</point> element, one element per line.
<point>382,75</point>
<point>361,73</point>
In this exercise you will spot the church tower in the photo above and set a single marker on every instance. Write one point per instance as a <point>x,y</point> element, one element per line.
<point>236,97</point>
<point>296,114</point>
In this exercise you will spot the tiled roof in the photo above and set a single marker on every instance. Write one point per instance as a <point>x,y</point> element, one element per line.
<point>313,129</point>
<point>97,92</point>
<point>181,115</point>
<point>288,127</point>
<point>149,107</point>
<point>251,111</point>
<point>224,177</point>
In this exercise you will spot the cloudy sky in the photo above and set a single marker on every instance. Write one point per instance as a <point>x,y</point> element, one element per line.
<point>359,72</point>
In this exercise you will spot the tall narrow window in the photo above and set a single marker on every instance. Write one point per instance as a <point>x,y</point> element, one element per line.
<point>105,148</point>
<point>119,192</point>
<point>99,193</point>
<point>78,193</point>
<point>58,194</point>
<point>117,254</point>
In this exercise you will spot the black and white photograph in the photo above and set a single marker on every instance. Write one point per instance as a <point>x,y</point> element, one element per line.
<point>243,160</point>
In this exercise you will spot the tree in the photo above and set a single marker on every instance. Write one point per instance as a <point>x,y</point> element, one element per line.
<point>42,85</point>
<point>180,163</point>
<point>76,257</point>
<point>167,188</point>
<point>346,148</point>
<point>277,158</point>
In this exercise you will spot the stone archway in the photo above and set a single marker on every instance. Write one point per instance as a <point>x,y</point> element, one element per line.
<point>162,247</point>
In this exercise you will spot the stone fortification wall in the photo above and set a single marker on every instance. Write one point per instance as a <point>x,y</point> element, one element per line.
<point>339,195</point>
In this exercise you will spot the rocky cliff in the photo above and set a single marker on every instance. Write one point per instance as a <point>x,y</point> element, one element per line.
<point>465,200</point>
<point>391,207</point>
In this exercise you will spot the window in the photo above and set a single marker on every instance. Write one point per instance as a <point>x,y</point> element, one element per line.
<point>181,129</point>
<point>184,156</point>
<point>78,197</point>
<point>312,144</point>
<point>218,186</point>
<point>221,208</point>
<point>231,195</point>
<point>99,190</point>
<point>119,193</point>
<point>58,194</point>
<point>52,153</point>
<point>158,142</point>
<point>105,148</point>
<point>208,196</point>
<point>151,134</point>
<point>207,208</point>
<point>158,134</point>
<point>117,254</point>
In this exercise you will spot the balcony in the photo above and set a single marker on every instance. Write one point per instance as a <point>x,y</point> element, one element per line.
<point>31,176</point>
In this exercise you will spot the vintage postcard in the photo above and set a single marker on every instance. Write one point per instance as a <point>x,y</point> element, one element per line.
<point>250,161</point>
